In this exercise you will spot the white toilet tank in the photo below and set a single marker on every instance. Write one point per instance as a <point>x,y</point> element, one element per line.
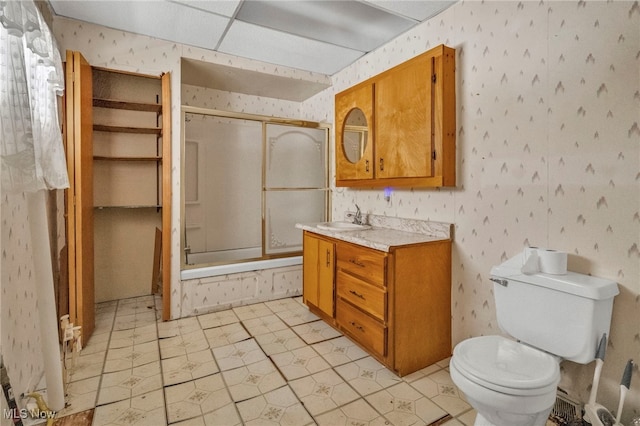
<point>564,315</point>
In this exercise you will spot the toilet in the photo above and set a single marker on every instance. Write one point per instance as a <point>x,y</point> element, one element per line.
<point>549,318</point>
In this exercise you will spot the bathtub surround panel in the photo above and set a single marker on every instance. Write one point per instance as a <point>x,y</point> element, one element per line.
<point>225,291</point>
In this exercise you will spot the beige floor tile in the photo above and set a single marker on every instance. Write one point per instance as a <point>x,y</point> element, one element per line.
<point>421,373</point>
<point>253,380</point>
<point>177,327</point>
<point>129,383</point>
<point>252,311</point>
<point>367,376</point>
<point>224,416</point>
<point>183,344</point>
<point>281,305</point>
<point>131,356</point>
<point>238,354</point>
<point>297,316</point>
<point>279,341</point>
<point>452,422</point>
<point>133,336</point>
<point>86,366</point>
<point>358,413</point>
<point>264,325</point>
<point>81,396</point>
<point>124,322</point>
<point>316,331</point>
<point>339,351</point>
<point>217,319</point>
<point>440,389</point>
<point>468,418</point>
<point>278,407</point>
<point>299,363</point>
<point>403,405</point>
<point>195,398</point>
<point>188,367</point>
<point>323,391</point>
<point>226,335</point>
<point>143,410</point>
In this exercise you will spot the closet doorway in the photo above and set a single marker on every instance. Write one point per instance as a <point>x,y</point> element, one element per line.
<point>118,142</point>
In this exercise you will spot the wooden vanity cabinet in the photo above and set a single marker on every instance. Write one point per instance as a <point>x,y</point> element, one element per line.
<point>396,305</point>
<point>318,274</point>
<point>413,124</point>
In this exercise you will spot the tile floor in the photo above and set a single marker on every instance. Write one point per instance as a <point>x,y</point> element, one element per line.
<point>269,363</point>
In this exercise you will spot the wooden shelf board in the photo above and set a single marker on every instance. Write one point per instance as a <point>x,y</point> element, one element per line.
<point>102,158</point>
<point>129,207</point>
<point>131,106</point>
<point>120,129</point>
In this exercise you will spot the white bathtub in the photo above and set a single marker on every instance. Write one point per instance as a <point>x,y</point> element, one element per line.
<point>234,268</point>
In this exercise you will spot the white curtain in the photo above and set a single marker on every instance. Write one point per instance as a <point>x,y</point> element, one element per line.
<point>31,77</point>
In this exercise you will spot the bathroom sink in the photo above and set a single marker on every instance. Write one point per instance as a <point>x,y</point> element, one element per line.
<point>342,226</point>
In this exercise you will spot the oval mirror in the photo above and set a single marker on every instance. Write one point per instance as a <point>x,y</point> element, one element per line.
<point>355,135</point>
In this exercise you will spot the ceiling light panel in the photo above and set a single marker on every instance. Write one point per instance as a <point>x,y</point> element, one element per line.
<point>350,24</point>
<point>418,10</point>
<point>162,20</point>
<point>264,44</point>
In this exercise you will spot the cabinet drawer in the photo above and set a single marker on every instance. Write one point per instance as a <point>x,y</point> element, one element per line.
<point>364,262</point>
<point>366,330</point>
<point>367,297</point>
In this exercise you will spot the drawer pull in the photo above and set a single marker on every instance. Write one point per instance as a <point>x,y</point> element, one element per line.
<point>357,326</point>
<point>355,293</point>
<point>357,262</point>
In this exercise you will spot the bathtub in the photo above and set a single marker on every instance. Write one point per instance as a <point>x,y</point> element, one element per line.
<point>234,268</point>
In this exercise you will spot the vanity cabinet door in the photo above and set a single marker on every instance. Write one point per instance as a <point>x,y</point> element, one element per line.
<point>403,120</point>
<point>318,273</point>
<point>354,138</point>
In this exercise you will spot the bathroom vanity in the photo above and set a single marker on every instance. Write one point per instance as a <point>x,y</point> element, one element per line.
<point>389,289</point>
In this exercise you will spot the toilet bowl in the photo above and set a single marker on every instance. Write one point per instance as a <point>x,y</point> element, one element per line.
<point>508,383</point>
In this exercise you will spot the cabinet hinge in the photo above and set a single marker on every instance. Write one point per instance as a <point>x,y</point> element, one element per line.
<point>433,155</point>
<point>433,78</point>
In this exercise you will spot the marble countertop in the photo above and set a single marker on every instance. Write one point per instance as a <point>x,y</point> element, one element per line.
<point>382,238</point>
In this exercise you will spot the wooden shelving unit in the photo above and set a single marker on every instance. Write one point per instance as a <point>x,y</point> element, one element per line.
<point>132,182</point>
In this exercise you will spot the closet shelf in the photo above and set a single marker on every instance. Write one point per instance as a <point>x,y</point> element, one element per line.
<point>129,207</point>
<point>131,106</point>
<point>120,129</point>
<point>102,158</point>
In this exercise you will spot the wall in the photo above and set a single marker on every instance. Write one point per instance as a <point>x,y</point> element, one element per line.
<point>548,149</point>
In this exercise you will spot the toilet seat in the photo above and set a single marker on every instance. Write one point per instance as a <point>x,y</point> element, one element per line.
<point>506,366</point>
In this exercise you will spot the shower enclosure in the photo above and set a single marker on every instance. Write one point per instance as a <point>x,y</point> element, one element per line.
<point>247,181</point>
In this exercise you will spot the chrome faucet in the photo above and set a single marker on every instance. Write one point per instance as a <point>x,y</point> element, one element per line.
<point>357,217</point>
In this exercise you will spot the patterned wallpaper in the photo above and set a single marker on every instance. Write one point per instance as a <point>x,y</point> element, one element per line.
<point>20,332</point>
<point>548,98</point>
<point>548,147</point>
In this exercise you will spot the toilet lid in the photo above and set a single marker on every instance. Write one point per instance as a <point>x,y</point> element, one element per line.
<point>505,363</point>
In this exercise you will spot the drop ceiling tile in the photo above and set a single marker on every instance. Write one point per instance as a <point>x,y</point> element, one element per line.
<point>418,10</point>
<point>163,20</point>
<point>263,44</point>
<point>350,24</point>
<point>225,8</point>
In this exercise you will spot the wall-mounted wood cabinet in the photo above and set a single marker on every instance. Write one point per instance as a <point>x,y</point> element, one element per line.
<point>408,136</point>
<point>396,304</point>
